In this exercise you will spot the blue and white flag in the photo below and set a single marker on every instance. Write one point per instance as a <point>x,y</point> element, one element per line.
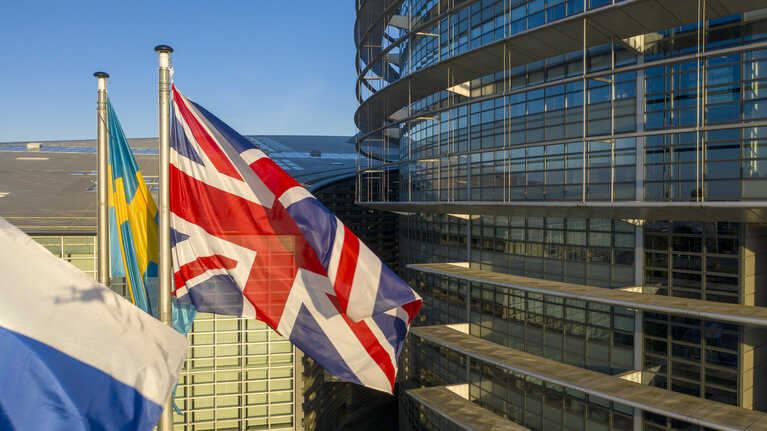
<point>74,355</point>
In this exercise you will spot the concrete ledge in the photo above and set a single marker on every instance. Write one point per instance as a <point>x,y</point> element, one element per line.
<point>741,211</point>
<point>694,308</point>
<point>461,411</point>
<point>687,408</point>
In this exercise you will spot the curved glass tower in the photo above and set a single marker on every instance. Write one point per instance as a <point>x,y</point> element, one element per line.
<point>583,195</point>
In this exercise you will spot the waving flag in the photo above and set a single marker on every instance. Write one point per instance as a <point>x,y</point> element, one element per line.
<point>74,355</point>
<point>133,228</point>
<point>132,221</point>
<point>248,240</point>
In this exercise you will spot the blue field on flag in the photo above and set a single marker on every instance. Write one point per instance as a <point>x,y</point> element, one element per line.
<point>74,355</point>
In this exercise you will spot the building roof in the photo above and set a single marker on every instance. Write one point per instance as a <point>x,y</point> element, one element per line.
<point>50,187</point>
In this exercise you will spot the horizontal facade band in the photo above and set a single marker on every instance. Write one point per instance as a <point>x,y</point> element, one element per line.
<point>404,116</point>
<point>74,224</point>
<point>734,211</point>
<point>693,308</point>
<point>460,411</point>
<point>603,25</point>
<point>687,408</point>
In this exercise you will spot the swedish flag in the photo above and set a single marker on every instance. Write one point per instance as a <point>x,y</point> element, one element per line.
<point>133,229</point>
<point>132,221</point>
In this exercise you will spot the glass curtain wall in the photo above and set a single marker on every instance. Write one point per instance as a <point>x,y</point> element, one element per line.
<point>676,115</point>
<point>523,134</point>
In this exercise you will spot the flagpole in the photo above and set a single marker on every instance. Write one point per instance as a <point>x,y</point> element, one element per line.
<point>102,215</point>
<point>165,270</point>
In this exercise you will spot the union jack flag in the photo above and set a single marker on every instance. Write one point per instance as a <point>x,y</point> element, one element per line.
<point>248,240</point>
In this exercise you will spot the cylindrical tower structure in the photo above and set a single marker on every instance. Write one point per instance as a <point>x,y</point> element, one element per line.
<point>610,144</point>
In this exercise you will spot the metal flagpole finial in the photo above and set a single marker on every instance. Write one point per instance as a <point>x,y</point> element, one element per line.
<point>163,49</point>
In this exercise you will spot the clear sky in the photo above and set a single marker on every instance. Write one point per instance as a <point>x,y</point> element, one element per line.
<point>262,66</point>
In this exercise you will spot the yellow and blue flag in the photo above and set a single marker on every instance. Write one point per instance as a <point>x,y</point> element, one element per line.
<point>133,229</point>
<point>132,221</point>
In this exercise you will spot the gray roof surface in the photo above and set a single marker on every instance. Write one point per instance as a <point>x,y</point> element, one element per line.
<point>51,187</point>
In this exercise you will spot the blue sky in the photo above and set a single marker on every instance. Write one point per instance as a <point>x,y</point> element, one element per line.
<point>262,66</point>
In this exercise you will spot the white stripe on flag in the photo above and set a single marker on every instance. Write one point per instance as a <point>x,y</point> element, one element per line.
<point>367,275</point>
<point>332,324</point>
<point>53,302</point>
<point>399,313</point>
<point>376,330</point>
<point>335,254</point>
<point>209,175</point>
<point>260,191</point>
<point>201,244</point>
<point>252,155</point>
<point>293,195</point>
<point>255,192</point>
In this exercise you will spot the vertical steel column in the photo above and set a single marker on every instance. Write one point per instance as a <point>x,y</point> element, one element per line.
<point>164,264</point>
<point>584,103</point>
<point>102,215</point>
<point>698,110</point>
<point>639,119</point>
<point>638,314</point>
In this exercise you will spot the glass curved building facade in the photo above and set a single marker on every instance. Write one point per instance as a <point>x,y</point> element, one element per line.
<point>583,181</point>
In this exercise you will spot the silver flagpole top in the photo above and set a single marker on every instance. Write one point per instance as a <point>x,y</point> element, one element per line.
<point>102,212</point>
<point>163,49</point>
<point>102,76</point>
<point>165,269</point>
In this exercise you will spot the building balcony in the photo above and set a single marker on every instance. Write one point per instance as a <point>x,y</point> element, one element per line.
<point>748,211</point>
<point>627,298</point>
<point>682,407</point>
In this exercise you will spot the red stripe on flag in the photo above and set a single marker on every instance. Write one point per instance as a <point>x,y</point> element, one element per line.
<point>272,233</point>
<point>206,142</point>
<point>347,264</point>
<point>371,344</point>
<point>273,176</point>
<point>411,308</point>
<point>201,265</point>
